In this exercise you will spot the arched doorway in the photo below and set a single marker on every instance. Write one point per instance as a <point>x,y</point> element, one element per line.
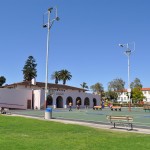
<point>94,102</point>
<point>78,99</point>
<point>49,101</point>
<point>68,100</point>
<point>86,101</point>
<point>59,102</point>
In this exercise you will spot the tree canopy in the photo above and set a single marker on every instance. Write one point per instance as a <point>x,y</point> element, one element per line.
<point>136,84</point>
<point>29,69</point>
<point>55,76</point>
<point>84,85</point>
<point>97,88</point>
<point>2,80</point>
<point>137,95</point>
<point>64,75</point>
<point>116,85</point>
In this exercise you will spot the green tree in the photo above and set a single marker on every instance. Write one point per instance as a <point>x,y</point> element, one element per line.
<point>84,85</point>
<point>97,88</point>
<point>111,95</point>
<point>116,85</point>
<point>64,75</point>
<point>29,69</point>
<point>55,76</point>
<point>2,80</point>
<point>136,84</point>
<point>137,95</point>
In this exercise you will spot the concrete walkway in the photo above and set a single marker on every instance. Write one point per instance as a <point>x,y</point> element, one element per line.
<point>93,125</point>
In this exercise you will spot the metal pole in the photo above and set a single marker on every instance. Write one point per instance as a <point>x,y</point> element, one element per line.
<point>128,52</point>
<point>129,91</point>
<point>47,54</point>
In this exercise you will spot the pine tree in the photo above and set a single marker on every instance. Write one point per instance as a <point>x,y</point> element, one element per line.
<point>29,69</point>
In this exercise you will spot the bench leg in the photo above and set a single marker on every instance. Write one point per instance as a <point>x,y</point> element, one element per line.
<point>115,109</point>
<point>111,109</point>
<point>119,109</point>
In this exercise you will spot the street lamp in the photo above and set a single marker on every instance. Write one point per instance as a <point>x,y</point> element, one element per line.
<point>128,53</point>
<point>48,25</point>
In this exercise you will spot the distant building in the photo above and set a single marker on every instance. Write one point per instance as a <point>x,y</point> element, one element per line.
<point>123,96</point>
<point>31,95</point>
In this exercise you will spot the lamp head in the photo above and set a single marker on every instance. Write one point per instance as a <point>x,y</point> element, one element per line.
<point>57,18</point>
<point>50,9</point>
<point>121,45</point>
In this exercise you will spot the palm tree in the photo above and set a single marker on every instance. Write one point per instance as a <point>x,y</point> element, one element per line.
<point>84,85</point>
<point>64,75</point>
<point>55,76</point>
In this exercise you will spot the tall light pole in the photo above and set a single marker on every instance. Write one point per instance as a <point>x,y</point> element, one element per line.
<point>48,25</point>
<point>128,53</point>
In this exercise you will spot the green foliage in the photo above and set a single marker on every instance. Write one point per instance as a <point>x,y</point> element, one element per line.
<point>55,76</point>
<point>111,95</point>
<point>84,85</point>
<point>136,84</point>
<point>97,88</point>
<point>137,95</point>
<point>2,80</point>
<point>29,69</point>
<point>64,75</point>
<point>116,85</point>
<point>30,134</point>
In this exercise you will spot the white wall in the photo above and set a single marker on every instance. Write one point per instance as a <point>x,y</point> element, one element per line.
<point>15,98</point>
<point>74,95</point>
<point>39,98</point>
<point>147,95</point>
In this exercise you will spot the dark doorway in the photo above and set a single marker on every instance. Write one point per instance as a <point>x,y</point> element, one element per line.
<point>28,104</point>
<point>59,102</point>
<point>94,102</point>
<point>49,101</point>
<point>68,100</point>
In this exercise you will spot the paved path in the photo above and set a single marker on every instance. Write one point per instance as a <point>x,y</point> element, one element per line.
<point>99,126</point>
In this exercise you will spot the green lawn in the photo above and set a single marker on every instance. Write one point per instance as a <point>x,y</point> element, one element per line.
<point>17,133</point>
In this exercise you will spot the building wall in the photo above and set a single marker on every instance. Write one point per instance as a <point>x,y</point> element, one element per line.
<point>147,95</point>
<point>123,97</point>
<point>37,96</point>
<point>40,96</point>
<point>15,98</point>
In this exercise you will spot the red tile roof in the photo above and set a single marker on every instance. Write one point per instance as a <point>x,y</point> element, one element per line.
<point>42,85</point>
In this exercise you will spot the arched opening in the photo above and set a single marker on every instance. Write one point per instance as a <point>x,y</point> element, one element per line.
<point>86,101</point>
<point>78,101</point>
<point>68,100</point>
<point>59,102</point>
<point>49,101</point>
<point>94,102</point>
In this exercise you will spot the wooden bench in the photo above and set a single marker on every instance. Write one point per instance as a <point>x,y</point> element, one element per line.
<point>121,120</point>
<point>97,107</point>
<point>146,107</point>
<point>116,108</point>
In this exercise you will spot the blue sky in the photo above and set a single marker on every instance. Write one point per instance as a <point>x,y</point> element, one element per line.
<point>84,41</point>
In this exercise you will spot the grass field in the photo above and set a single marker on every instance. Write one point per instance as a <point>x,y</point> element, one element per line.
<point>17,133</point>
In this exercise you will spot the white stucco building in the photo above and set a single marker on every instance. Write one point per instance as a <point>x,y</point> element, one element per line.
<point>123,96</point>
<point>25,95</point>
